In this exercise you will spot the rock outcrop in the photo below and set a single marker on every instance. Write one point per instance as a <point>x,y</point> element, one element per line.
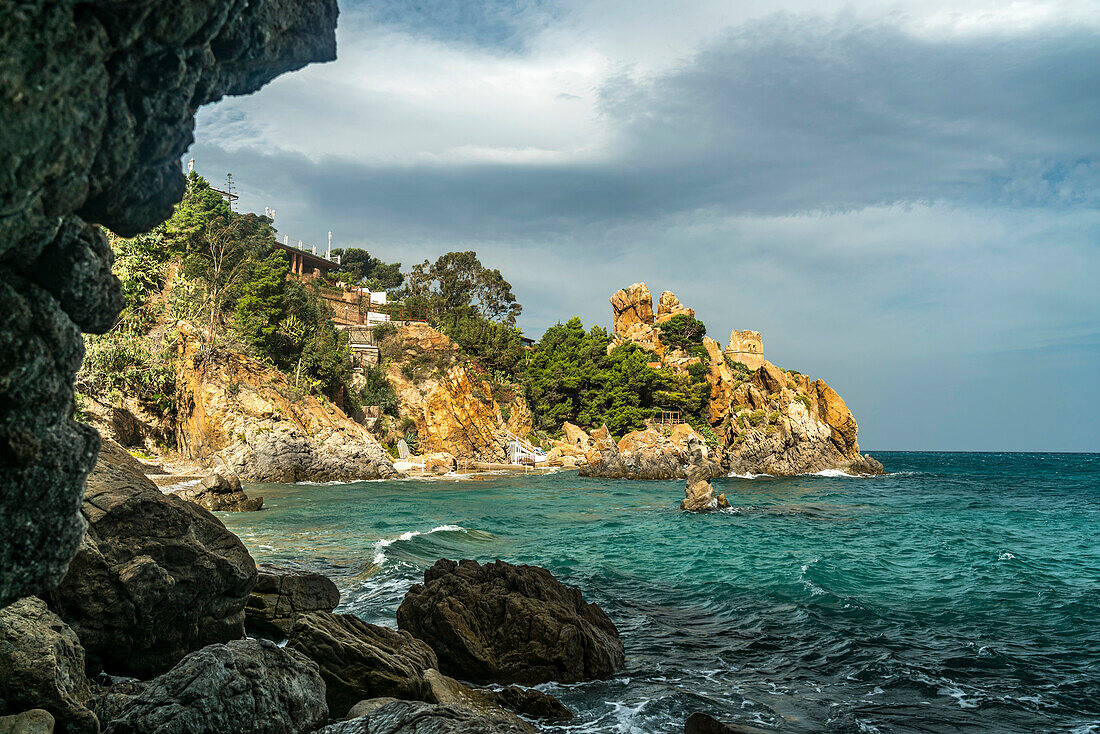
<point>361,660</point>
<point>154,577</point>
<point>698,493</point>
<point>220,491</point>
<point>417,717</point>
<point>246,686</point>
<point>653,453</point>
<point>699,723</point>
<point>782,423</point>
<point>770,421</point>
<point>237,413</point>
<point>42,666</point>
<point>97,105</point>
<point>281,595</point>
<point>500,623</point>
<point>454,410</point>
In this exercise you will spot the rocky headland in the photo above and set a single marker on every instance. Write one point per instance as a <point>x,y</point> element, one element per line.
<point>766,420</point>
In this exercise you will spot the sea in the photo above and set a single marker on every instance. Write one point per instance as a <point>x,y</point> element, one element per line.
<point>958,593</point>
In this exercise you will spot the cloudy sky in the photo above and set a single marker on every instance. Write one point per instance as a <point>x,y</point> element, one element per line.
<point>904,197</point>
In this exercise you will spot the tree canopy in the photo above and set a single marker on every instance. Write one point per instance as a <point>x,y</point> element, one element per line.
<point>358,267</point>
<point>458,281</point>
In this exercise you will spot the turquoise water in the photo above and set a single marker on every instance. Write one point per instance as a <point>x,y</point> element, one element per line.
<point>959,594</point>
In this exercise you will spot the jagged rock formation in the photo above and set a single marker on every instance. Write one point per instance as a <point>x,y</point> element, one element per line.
<point>97,104</point>
<point>783,423</point>
<point>770,421</point>
<point>42,666</point>
<point>154,578</point>
<point>698,493</point>
<point>281,595</point>
<point>500,623</point>
<point>454,410</point>
<point>248,686</point>
<point>238,413</point>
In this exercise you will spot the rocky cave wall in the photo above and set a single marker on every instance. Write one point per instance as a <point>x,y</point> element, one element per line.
<point>97,105</point>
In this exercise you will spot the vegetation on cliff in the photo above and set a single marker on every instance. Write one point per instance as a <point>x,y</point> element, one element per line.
<point>573,376</point>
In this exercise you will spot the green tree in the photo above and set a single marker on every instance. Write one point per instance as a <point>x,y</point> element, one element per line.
<point>359,268</point>
<point>260,308</point>
<point>457,281</point>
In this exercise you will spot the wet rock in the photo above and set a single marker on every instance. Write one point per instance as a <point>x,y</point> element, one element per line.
<point>699,723</point>
<point>418,717</point>
<point>97,105</point>
<point>35,721</point>
<point>220,491</point>
<point>446,690</point>
<point>501,623</point>
<point>42,666</point>
<point>155,577</point>
<point>246,686</point>
<point>282,594</point>
<point>361,660</point>
<point>533,703</point>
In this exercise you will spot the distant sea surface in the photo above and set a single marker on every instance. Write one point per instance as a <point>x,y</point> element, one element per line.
<point>960,593</point>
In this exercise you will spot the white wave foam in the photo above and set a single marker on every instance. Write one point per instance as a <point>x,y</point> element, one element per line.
<point>747,475</point>
<point>179,486</point>
<point>1006,556</point>
<point>381,546</point>
<point>831,473</point>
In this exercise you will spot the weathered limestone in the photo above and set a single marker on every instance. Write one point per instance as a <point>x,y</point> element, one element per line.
<point>632,305</point>
<point>500,623</point>
<point>97,104</point>
<point>235,409</point>
<point>454,410</point>
<point>669,306</point>
<point>698,492</point>
<point>417,717</point>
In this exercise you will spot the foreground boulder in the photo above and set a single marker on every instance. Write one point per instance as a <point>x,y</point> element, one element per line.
<point>220,491</point>
<point>281,595</point>
<point>361,660</point>
<point>245,687</point>
<point>417,717</point>
<point>35,721</point>
<point>42,666</point>
<point>155,577</point>
<point>500,623</point>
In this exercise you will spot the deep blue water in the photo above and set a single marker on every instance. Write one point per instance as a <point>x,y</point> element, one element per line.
<point>961,593</point>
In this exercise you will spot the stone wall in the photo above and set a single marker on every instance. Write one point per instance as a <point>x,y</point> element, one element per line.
<point>746,347</point>
<point>97,104</point>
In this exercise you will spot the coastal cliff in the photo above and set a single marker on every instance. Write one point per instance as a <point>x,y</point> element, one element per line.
<point>234,411</point>
<point>452,408</point>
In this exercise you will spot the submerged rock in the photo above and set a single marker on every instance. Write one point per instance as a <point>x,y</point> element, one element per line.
<point>361,660</point>
<point>282,594</point>
<point>699,723</point>
<point>245,687</point>
<point>42,667</point>
<point>418,717</point>
<point>154,578</point>
<point>500,623</point>
<point>533,703</point>
<point>220,491</point>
